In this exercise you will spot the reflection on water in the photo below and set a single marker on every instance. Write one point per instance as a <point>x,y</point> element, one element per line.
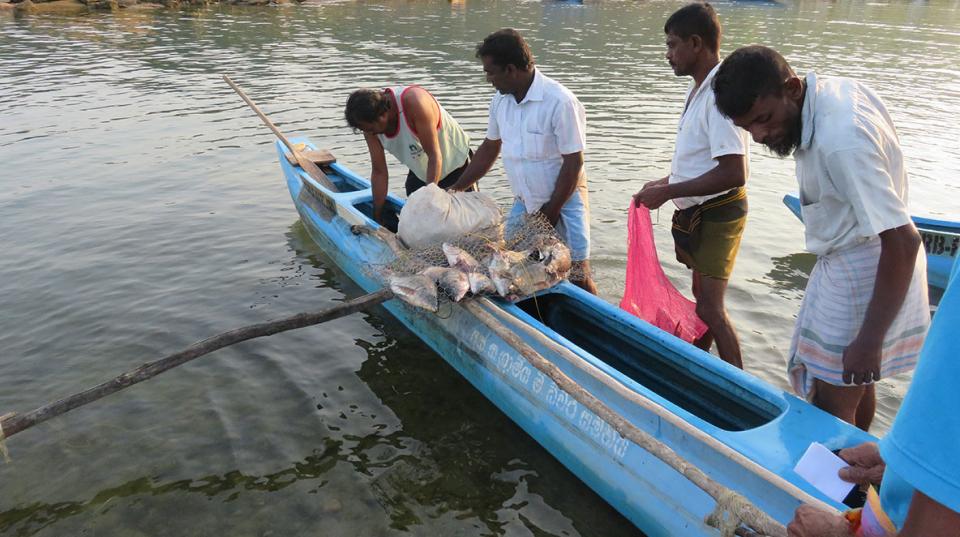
<point>30,519</point>
<point>142,209</point>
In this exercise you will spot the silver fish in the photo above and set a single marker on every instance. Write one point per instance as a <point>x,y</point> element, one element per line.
<point>530,277</point>
<point>480,283</point>
<point>452,281</point>
<point>553,254</point>
<point>499,265</point>
<point>418,290</point>
<point>459,258</point>
<point>558,260</point>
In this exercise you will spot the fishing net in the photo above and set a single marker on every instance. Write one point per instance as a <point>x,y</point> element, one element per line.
<point>513,260</point>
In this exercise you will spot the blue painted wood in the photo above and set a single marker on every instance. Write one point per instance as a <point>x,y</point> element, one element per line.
<point>649,493</point>
<point>941,241</point>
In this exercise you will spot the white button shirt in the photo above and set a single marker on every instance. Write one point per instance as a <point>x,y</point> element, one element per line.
<point>536,132</point>
<point>853,185</point>
<point>703,136</point>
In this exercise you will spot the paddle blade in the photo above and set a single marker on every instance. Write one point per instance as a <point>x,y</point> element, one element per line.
<point>314,171</point>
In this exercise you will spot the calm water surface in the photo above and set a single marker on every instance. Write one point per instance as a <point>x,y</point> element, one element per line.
<point>141,209</point>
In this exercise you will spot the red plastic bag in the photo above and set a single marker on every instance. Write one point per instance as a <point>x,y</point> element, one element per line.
<point>649,294</point>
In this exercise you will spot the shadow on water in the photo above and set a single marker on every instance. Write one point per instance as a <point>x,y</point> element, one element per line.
<point>789,275</point>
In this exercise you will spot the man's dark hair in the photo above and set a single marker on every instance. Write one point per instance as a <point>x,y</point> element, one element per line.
<point>366,105</point>
<point>506,47</point>
<point>699,19</point>
<point>746,75</point>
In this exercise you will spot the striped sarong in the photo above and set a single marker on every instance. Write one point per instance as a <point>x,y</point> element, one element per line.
<point>834,306</point>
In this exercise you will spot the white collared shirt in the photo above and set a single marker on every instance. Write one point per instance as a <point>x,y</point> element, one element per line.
<point>703,136</point>
<point>536,132</point>
<point>853,184</point>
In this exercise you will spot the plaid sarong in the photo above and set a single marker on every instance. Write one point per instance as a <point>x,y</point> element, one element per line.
<point>834,306</point>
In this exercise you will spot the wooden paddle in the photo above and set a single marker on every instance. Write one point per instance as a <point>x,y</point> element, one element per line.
<point>308,165</point>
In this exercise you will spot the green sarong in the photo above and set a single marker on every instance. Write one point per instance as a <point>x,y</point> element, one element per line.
<point>707,236</point>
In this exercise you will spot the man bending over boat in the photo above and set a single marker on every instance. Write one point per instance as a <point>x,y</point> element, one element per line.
<point>707,176</point>
<point>917,459</point>
<point>865,311</point>
<point>540,127</point>
<point>408,122</point>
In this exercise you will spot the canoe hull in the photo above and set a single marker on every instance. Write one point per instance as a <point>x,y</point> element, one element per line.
<point>650,494</point>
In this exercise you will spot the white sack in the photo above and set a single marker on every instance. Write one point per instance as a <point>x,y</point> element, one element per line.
<point>433,215</point>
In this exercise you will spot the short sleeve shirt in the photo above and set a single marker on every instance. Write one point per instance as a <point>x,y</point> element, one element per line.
<point>852,180</point>
<point>703,136</point>
<point>535,133</point>
<point>922,449</point>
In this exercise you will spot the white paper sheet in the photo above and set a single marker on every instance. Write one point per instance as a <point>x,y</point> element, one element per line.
<point>819,466</point>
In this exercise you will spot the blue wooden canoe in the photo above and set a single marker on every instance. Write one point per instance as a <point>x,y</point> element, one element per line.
<point>941,241</point>
<point>760,421</point>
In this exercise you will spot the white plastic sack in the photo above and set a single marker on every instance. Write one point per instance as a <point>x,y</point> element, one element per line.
<point>433,215</point>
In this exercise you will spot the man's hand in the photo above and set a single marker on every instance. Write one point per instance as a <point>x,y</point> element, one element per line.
<point>812,522</point>
<point>866,466</point>
<point>653,195</point>
<point>551,213</point>
<point>861,361</point>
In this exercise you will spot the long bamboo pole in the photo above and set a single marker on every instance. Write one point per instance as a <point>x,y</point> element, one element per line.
<point>12,424</point>
<point>668,416</point>
<point>752,516</point>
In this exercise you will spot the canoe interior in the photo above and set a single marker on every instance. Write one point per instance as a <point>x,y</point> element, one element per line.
<point>702,393</point>
<point>389,215</point>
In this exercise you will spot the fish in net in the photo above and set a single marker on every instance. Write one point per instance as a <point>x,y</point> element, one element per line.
<point>512,260</point>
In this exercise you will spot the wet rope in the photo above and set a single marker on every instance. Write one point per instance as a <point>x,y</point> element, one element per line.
<point>727,515</point>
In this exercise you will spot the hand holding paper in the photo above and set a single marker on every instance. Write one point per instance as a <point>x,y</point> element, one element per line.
<point>821,468</point>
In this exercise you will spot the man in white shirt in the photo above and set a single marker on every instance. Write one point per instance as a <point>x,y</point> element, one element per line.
<point>707,176</point>
<point>865,312</point>
<point>540,127</point>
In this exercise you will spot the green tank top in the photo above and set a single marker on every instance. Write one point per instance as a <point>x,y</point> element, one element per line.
<point>405,144</point>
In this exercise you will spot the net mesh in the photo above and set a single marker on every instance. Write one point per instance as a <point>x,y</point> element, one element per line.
<point>513,260</point>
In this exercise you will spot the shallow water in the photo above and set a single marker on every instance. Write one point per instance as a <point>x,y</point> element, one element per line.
<point>141,209</point>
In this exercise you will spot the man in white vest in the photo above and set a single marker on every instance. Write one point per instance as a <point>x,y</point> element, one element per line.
<point>540,127</point>
<point>408,122</point>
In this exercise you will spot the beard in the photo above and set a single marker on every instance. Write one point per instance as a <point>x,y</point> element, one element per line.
<point>786,145</point>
